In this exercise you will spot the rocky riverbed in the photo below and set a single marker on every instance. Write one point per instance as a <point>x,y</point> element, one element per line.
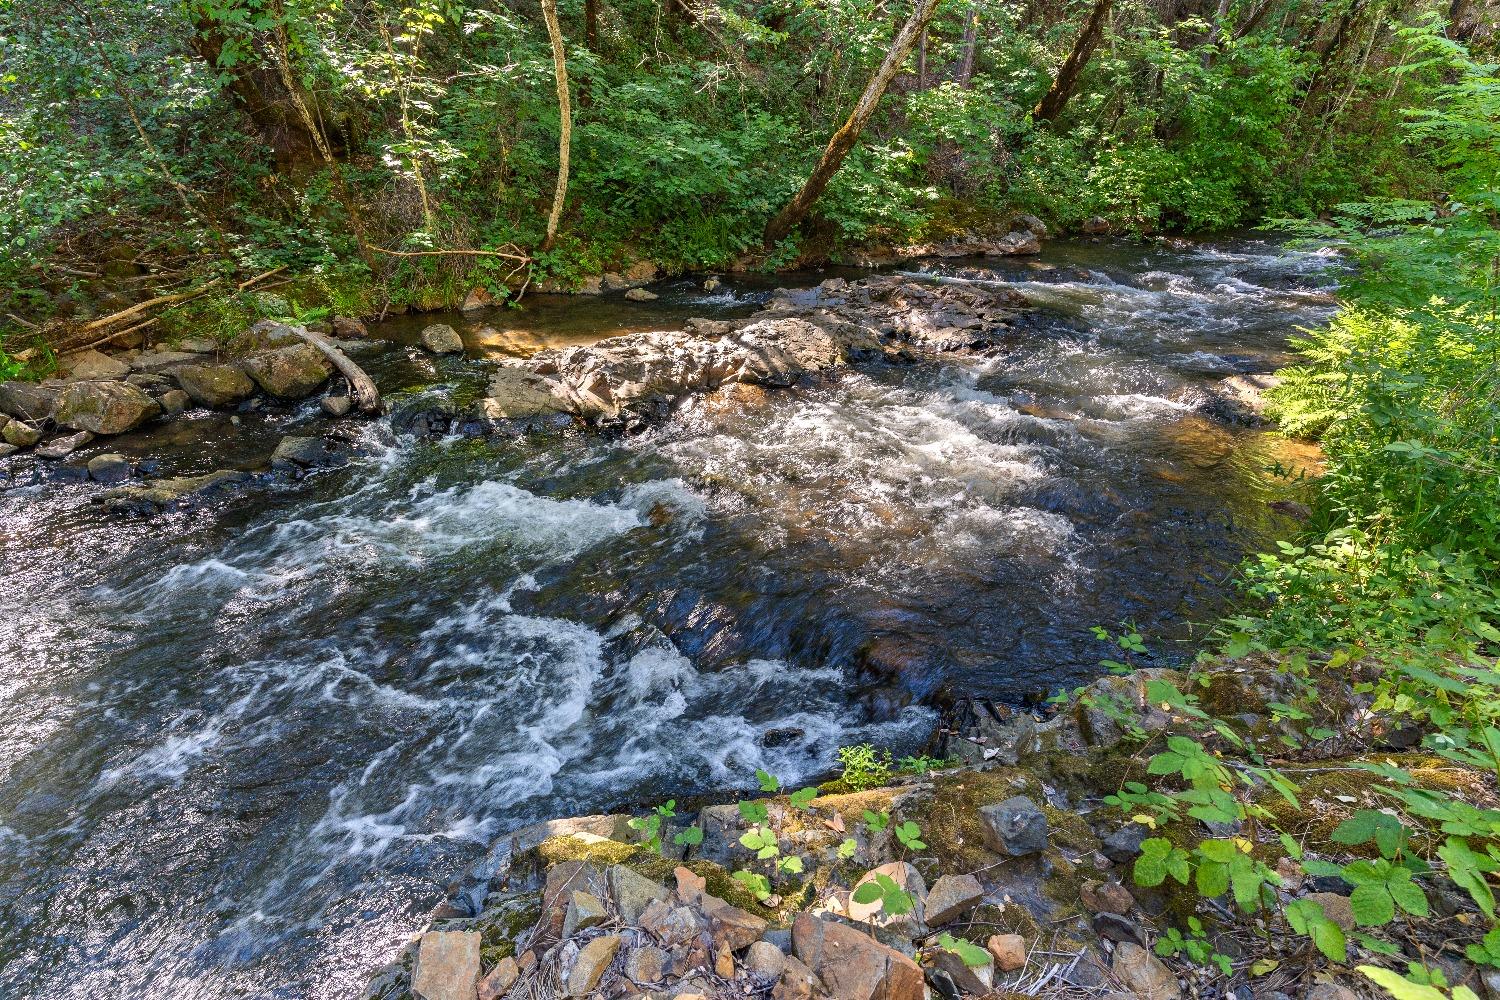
<point>1015,870</point>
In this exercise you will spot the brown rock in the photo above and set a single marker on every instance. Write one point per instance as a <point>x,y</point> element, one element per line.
<point>672,925</point>
<point>1335,907</point>
<point>501,978</point>
<point>797,981</point>
<point>852,965</point>
<point>104,407</point>
<point>478,298</point>
<point>447,966</point>
<point>173,402</point>
<point>214,385</point>
<point>593,959</point>
<point>646,965</point>
<point>690,887</point>
<point>349,328</point>
<point>951,897</point>
<point>724,963</point>
<point>909,879</point>
<point>1331,991</point>
<point>1008,950</point>
<point>731,926</point>
<point>1106,897</point>
<point>562,879</point>
<point>1144,974</point>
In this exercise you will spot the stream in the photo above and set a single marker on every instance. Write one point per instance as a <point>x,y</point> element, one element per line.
<point>249,742</point>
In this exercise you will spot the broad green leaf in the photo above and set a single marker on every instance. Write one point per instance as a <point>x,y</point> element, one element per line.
<point>1372,905</point>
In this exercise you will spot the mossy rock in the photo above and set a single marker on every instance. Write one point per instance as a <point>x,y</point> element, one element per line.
<point>952,828</point>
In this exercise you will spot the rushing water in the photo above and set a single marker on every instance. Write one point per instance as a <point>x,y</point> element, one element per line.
<point>247,743</point>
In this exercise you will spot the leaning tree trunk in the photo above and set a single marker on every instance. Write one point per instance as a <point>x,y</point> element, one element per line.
<point>260,91</point>
<point>565,111</point>
<point>1057,96</point>
<point>844,139</point>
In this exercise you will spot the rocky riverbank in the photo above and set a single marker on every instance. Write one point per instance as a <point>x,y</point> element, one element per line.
<point>1010,875</point>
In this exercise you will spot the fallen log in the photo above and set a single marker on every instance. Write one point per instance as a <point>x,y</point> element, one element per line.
<point>361,385</point>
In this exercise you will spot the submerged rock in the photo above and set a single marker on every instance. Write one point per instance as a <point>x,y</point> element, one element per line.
<point>109,468</point>
<point>167,492</point>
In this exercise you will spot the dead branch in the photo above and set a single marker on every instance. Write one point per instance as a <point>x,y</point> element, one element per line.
<point>365,393</point>
<point>451,253</point>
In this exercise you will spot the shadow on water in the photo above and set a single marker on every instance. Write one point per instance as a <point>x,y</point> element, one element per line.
<point>248,743</point>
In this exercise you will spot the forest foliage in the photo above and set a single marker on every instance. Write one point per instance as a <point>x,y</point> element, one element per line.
<point>237,135</point>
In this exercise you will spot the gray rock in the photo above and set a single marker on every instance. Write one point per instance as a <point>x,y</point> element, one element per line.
<point>157,362</point>
<point>647,965</point>
<point>305,452</point>
<point>585,910</point>
<point>214,385</point>
<point>293,372</point>
<point>109,468</point>
<point>1144,974</point>
<point>92,364</point>
<point>447,966</point>
<point>440,338</point>
<point>198,345</point>
<point>62,447</point>
<point>641,295</point>
<point>1331,991</point>
<point>104,407</point>
<point>765,959</point>
<point>950,897</point>
<point>19,434</point>
<point>1114,927</point>
<point>27,400</point>
<point>1031,224</point>
<point>1014,827</point>
<point>7,449</point>
<point>336,406</point>
<point>1125,843</point>
<point>149,383</point>
<point>167,492</point>
<point>632,892</point>
<point>975,980</point>
<point>1095,226</point>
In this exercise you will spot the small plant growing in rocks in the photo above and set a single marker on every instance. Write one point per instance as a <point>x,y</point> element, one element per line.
<point>864,767</point>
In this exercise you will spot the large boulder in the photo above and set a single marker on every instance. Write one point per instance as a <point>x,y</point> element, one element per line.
<point>293,372</point>
<point>19,434</point>
<point>852,965</point>
<point>27,400</point>
<point>447,966</point>
<point>92,364</point>
<point>104,407</point>
<point>214,385</point>
<point>440,338</point>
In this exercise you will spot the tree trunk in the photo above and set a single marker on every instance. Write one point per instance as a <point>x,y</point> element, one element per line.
<point>965,77</point>
<point>591,24</point>
<point>922,62</point>
<point>259,90</point>
<point>1215,33</point>
<point>1057,96</point>
<point>844,139</point>
<point>565,112</point>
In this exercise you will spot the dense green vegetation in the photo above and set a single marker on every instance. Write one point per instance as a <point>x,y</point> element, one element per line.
<point>190,139</point>
<point>403,154</point>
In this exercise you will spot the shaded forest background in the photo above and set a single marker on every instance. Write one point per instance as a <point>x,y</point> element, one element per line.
<point>148,144</point>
